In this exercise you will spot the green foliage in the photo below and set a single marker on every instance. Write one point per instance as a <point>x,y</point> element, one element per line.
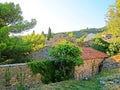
<point>21,87</point>
<point>11,20</point>
<point>92,84</point>
<point>49,35</point>
<point>80,41</point>
<point>67,52</point>
<point>11,16</point>
<point>67,56</point>
<point>22,26</point>
<point>37,41</point>
<point>100,44</point>
<point>45,68</point>
<point>70,34</point>
<point>114,47</point>
<point>7,77</point>
<point>113,19</point>
<point>111,49</point>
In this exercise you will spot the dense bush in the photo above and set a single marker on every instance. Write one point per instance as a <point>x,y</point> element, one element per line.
<point>114,47</point>
<point>67,56</point>
<point>67,52</point>
<point>15,50</point>
<point>101,45</point>
<point>45,68</point>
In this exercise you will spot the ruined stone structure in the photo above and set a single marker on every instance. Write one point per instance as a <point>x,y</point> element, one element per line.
<point>92,60</point>
<point>13,74</point>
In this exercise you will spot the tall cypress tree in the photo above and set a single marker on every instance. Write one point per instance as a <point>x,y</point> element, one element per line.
<point>49,34</point>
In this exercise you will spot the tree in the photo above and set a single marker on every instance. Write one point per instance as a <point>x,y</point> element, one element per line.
<point>37,41</point>
<point>11,16</point>
<point>49,34</point>
<point>113,19</point>
<point>11,20</point>
<point>68,56</point>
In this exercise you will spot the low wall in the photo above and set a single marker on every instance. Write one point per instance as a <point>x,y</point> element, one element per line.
<point>13,74</point>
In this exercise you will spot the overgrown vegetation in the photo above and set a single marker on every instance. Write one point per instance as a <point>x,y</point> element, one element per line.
<point>108,48</point>
<point>91,84</point>
<point>45,68</point>
<point>100,44</point>
<point>67,56</point>
<point>13,49</point>
<point>114,47</point>
<point>113,28</point>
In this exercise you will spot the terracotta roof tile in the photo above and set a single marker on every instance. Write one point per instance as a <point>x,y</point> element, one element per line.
<point>90,53</point>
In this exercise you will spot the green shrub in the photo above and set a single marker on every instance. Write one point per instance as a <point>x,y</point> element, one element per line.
<point>45,68</point>
<point>100,45</point>
<point>21,87</point>
<point>114,48</point>
<point>67,56</point>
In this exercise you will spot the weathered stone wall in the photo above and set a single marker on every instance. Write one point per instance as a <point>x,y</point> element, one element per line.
<point>88,69</point>
<point>21,73</point>
<point>17,73</point>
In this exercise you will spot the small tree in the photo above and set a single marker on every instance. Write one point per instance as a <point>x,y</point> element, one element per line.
<point>68,56</point>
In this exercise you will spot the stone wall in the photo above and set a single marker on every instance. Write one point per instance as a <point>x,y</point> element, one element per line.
<point>88,69</point>
<point>13,74</point>
<point>21,73</point>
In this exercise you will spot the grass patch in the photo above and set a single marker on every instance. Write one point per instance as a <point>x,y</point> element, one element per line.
<point>92,84</point>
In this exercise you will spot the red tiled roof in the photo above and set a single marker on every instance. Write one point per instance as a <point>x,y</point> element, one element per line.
<point>90,53</point>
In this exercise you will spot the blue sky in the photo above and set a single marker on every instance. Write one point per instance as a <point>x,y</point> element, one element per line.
<point>64,15</point>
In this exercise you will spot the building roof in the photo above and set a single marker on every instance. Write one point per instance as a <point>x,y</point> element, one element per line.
<point>90,53</point>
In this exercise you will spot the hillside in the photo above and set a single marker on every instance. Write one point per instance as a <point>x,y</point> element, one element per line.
<point>79,33</point>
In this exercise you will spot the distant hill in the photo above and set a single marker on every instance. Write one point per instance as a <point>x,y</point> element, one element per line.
<point>86,31</point>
